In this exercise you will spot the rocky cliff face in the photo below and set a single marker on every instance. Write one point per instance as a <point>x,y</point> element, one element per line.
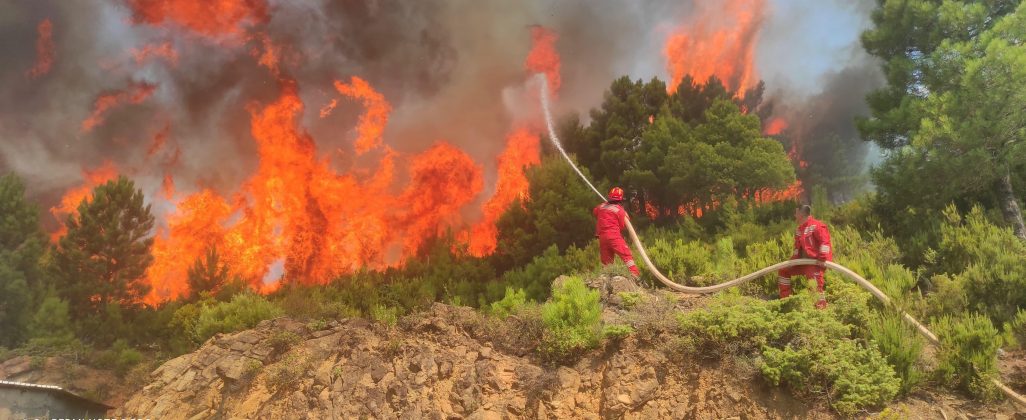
<point>447,362</point>
<point>437,364</point>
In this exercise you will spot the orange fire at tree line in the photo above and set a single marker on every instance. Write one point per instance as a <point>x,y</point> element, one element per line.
<point>297,212</point>
<point>720,41</point>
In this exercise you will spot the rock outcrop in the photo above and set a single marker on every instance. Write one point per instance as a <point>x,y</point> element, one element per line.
<point>432,365</point>
<point>444,364</point>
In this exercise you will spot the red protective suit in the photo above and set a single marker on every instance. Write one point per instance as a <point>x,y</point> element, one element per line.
<point>610,219</point>
<point>811,240</point>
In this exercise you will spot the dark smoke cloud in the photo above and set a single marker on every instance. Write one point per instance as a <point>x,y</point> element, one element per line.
<point>453,70</point>
<point>828,140</point>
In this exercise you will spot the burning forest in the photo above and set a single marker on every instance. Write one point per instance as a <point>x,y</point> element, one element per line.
<point>388,208</point>
<point>304,141</point>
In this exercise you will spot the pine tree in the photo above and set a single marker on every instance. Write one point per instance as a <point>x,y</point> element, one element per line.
<point>952,111</point>
<point>207,274</point>
<point>104,256</point>
<point>21,246</point>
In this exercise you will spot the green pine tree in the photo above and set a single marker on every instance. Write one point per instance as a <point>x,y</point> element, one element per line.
<point>207,274</point>
<point>952,111</point>
<point>104,256</point>
<point>21,246</point>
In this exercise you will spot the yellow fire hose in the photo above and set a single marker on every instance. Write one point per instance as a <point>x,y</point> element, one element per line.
<point>862,282</point>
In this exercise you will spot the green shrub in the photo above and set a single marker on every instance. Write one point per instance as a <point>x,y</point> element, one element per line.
<point>989,258</point>
<point>50,328</point>
<point>616,332</point>
<point>536,277</point>
<point>120,357</point>
<point>1015,330</point>
<point>385,314</point>
<point>242,312</point>
<point>948,297</point>
<point>681,260</point>
<point>317,324</point>
<point>900,344</point>
<point>510,303</point>
<point>572,320</point>
<point>853,376</point>
<point>630,299</point>
<point>283,340</point>
<point>967,356</point>
<point>811,351</point>
<point>287,372</point>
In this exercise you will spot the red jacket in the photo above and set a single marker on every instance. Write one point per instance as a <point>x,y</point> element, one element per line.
<point>812,240</point>
<point>610,220</point>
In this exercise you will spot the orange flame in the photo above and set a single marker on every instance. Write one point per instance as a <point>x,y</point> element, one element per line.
<point>148,51</point>
<point>44,50</point>
<point>296,213</point>
<point>72,198</point>
<point>271,54</point>
<point>523,150</point>
<point>134,94</point>
<point>543,57</point>
<point>330,106</point>
<point>720,41</point>
<point>210,18</point>
<point>373,121</point>
<point>775,126</point>
<point>158,141</point>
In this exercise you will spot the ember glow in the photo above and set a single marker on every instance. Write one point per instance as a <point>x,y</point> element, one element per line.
<point>719,40</point>
<point>134,94</point>
<point>44,50</point>
<point>152,51</point>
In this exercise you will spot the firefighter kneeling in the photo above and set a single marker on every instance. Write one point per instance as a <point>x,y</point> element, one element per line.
<point>610,219</point>
<point>811,240</point>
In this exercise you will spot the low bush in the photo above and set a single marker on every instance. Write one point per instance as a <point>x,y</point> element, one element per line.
<point>967,357</point>
<point>510,303</point>
<point>812,352</point>
<point>572,320</point>
<point>243,311</point>
<point>120,357</point>
<point>854,376</point>
<point>287,372</point>
<point>616,332</point>
<point>281,341</point>
<point>901,345</point>
<point>1015,330</point>
<point>629,300</point>
<point>385,314</point>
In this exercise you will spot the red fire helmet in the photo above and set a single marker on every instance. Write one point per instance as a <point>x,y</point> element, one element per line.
<point>616,194</point>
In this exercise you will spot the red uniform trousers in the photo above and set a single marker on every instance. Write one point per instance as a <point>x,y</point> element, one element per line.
<point>610,247</point>
<point>813,272</point>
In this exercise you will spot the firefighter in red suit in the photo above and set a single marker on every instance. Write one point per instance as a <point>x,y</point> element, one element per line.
<point>811,240</point>
<point>611,218</point>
